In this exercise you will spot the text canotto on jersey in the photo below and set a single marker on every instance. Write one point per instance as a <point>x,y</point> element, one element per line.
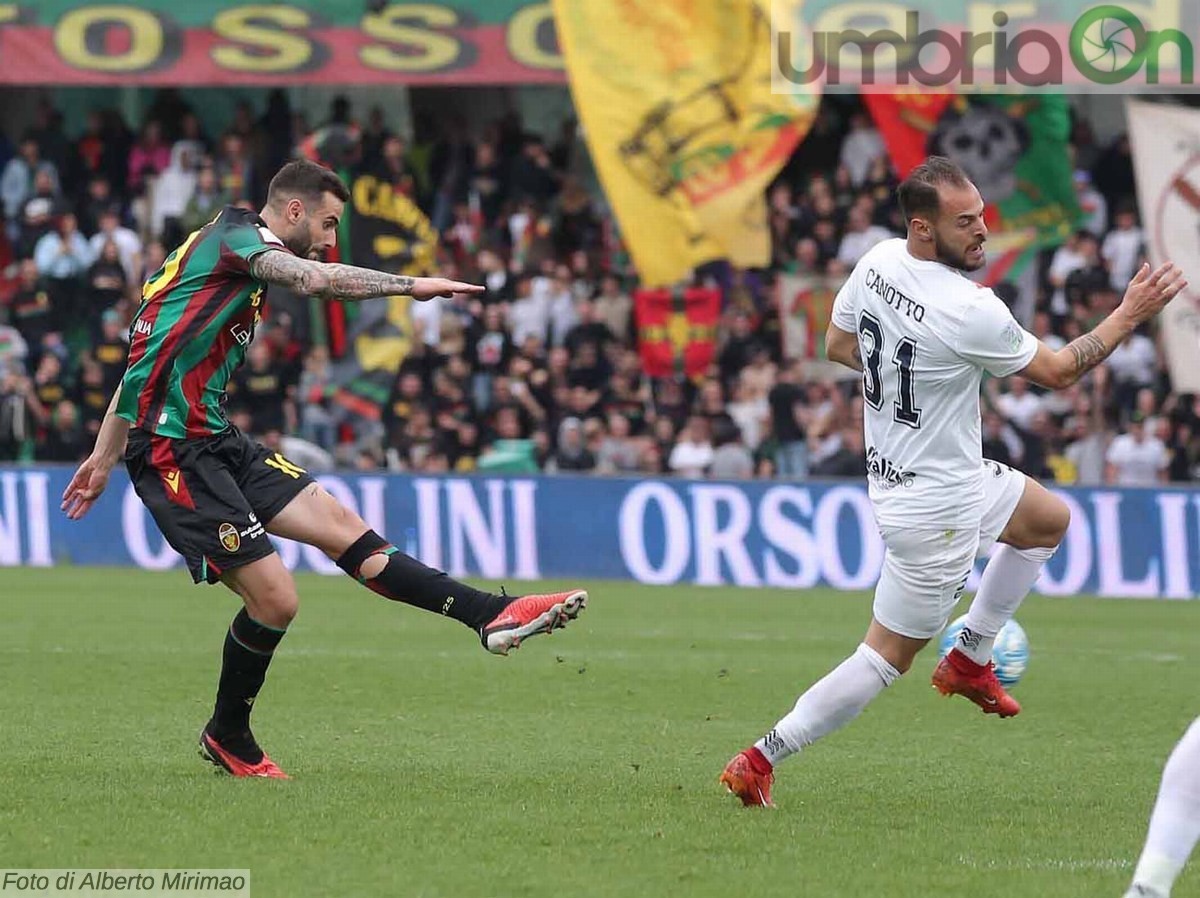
<point>897,299</point>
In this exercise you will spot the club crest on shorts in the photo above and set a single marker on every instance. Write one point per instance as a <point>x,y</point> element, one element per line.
<point>229,538</point>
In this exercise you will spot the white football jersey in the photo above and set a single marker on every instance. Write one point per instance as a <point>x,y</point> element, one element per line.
<point>926,333</point>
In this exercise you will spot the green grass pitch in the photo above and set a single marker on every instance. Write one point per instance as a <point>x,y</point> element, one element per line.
<point>586,763</point>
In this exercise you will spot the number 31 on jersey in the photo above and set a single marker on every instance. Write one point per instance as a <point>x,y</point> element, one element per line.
<point>904,409</point>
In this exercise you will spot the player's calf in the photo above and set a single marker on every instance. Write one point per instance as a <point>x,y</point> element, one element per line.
<point>381,567</point>
<point>501,621</point>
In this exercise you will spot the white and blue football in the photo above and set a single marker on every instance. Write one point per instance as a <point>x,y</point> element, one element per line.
<point>1010,654</point>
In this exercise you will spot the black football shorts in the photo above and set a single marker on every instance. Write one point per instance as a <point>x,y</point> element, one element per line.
<point>212,497</point>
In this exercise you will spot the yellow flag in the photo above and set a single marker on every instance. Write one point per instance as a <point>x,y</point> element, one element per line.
<point>675,101</point>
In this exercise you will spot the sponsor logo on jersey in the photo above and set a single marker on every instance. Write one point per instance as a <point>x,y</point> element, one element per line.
<point>172,481</point>
<point>889,474</point>
<point>229,537</point>
<point>143,327</point>
<point>254,531</point>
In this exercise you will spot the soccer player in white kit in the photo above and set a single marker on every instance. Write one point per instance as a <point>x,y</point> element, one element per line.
<point>922,334</point>
<point>1174,823</point>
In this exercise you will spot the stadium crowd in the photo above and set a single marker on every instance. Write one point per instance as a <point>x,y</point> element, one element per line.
<point>545,370</point>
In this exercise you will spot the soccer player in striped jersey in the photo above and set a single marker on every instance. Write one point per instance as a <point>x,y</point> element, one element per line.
<point>216,494</point>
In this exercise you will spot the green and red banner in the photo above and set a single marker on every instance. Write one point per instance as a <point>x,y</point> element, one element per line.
<point>1013,147</point>
<point>677,330</point>
<point>212,42</point>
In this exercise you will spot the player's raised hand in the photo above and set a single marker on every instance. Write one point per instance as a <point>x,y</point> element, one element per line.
<point>1150,291</point>
<point>85,488</point>
<point>429,288</point>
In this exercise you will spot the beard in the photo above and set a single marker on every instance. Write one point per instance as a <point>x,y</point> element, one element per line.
<point>300,246</point>
<point>955,258</point>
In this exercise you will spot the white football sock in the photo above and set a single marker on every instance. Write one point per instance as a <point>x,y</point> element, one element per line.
<point>1175,823</point>
<point>830,703</point>
<point>1007,579</point>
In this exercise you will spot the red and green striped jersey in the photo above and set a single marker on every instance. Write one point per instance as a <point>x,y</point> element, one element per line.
<point>197,317</point>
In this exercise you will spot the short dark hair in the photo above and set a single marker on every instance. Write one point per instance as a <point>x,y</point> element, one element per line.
<point>918,193</point>
<point>305,180</point>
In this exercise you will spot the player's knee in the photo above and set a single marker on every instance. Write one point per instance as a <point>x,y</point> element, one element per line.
<point>1054,523</point>
<point>373,566</point>
<point>273,604</point>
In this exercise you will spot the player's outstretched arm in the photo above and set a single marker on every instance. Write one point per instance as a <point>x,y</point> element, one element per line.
<point>1148,293</point>
<point>92,476</point>
<point>331,280</point>
<point>842,347</point>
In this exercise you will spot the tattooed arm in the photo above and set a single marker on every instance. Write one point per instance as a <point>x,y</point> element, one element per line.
<point>348,282</point>
<point>1147,295</point>
<point>842,346</point>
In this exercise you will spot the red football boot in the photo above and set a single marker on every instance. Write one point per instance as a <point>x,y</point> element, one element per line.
<point>956,674</point>
<point>527,616</point>
<point>749,776</point>
<point>215,753</point>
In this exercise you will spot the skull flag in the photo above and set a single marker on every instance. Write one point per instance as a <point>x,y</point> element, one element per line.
<point>1013,148</point>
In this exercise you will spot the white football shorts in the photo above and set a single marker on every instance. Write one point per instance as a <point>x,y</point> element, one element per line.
<point>925,571</point>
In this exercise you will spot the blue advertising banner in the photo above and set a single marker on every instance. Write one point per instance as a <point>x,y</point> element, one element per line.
<point>1122,542</point>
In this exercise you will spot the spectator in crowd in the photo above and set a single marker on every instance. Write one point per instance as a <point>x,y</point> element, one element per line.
<point>1087,444</point>
<point>317,422</point>
<point>1134,365</point>
<point>206,200</point>
<point>620,452</point>
<point>1137,458</point>
<point>149,158</point>
<point>107,281</point>
<point>17,180</point>
<point>731,460</point>
<point>40,213</point>
<point>1020,404</point>
<point>32,313</point>
<point>18,403</point>
<point>173,192</point>
<point>1123,247</point>
<point>614,307</point>
<point>99,199</point>
<point>861,148</point>
<point>1093,205</point>
<point>573,453</point>
<point>129,245</point>
<point>848,460</point>
<point>62,255</point>
<point>693,452</point>
<point>64,441</point>
<point>861,235</point>
<point>111,351</point>
<point>13,351</point>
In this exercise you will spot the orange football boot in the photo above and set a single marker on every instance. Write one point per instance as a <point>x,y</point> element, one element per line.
<point>212,751</point>
<point>527,616</point>
<point>956,674</point>
<point>744,778</point>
